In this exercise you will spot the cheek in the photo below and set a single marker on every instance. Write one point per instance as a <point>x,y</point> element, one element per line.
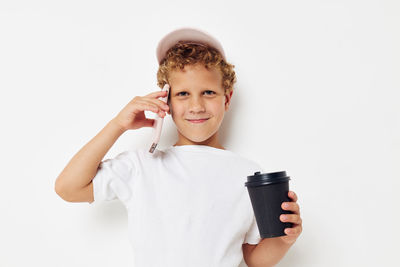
<point>217,107</point>
<point>176,110</point>
<point>173,107</point>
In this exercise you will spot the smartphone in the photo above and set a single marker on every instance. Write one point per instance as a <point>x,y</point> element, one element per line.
<point>157,126</point>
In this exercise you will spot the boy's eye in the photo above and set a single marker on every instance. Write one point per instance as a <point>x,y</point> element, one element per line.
<point>209,91</point>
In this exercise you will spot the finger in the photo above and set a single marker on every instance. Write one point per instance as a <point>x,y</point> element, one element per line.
<point>292,218</point>
<point>160,104</point>
<point>153,105</point>
<point>161,108</point>
<point>148,105</point>
<point>292,206</point>
<point>157,94</point>
<point>293,230</point>
<point>292,195</point>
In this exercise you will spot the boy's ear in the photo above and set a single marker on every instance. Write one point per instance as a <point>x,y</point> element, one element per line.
<point>228,99</point>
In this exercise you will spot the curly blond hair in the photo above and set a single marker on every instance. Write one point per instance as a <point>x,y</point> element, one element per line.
<point>182,54</point>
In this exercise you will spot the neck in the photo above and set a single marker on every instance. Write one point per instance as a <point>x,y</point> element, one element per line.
<point>212,141</point>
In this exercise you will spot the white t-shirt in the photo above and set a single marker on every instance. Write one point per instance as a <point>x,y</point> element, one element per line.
<point>187,205</point>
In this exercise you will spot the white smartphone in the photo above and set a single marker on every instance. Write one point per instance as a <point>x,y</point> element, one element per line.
<point>157,126</point>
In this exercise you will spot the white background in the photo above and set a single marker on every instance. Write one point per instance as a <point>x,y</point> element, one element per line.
<point>317,96</point>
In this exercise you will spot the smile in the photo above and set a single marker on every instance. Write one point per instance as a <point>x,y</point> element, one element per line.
<point>198,121</point>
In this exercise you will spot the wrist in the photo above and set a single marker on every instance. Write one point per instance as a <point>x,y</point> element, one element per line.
<point>117,126</point>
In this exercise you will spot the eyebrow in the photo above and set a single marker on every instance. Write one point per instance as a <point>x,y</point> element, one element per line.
<point>204,89</point>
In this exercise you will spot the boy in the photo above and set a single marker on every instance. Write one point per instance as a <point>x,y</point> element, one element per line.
<point>187,205</point>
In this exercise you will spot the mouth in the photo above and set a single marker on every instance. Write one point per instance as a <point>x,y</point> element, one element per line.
<point>198,120</point>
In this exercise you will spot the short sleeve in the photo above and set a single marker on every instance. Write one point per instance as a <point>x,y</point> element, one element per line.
<point>114,178</point>
<point>253,234</point>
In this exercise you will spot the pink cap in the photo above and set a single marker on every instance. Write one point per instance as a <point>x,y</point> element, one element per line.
<point>188,35</point>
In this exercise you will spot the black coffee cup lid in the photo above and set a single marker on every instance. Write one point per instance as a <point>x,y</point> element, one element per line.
<point>266,178</point>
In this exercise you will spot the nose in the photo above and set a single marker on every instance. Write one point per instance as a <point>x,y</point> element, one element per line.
<point>196,105</point>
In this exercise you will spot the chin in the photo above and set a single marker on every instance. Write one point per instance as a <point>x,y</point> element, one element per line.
<point>199,138</point>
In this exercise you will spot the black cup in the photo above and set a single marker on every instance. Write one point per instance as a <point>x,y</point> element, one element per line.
<point>267,191</point>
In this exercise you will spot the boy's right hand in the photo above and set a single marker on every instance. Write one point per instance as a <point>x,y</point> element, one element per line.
<point>132,116</point>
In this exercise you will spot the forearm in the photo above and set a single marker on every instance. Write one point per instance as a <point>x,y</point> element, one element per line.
<point>83,166</point>
<point>269,252</point>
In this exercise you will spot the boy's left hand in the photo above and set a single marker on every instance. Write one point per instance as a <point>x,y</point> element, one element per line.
<point>294,232</point>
